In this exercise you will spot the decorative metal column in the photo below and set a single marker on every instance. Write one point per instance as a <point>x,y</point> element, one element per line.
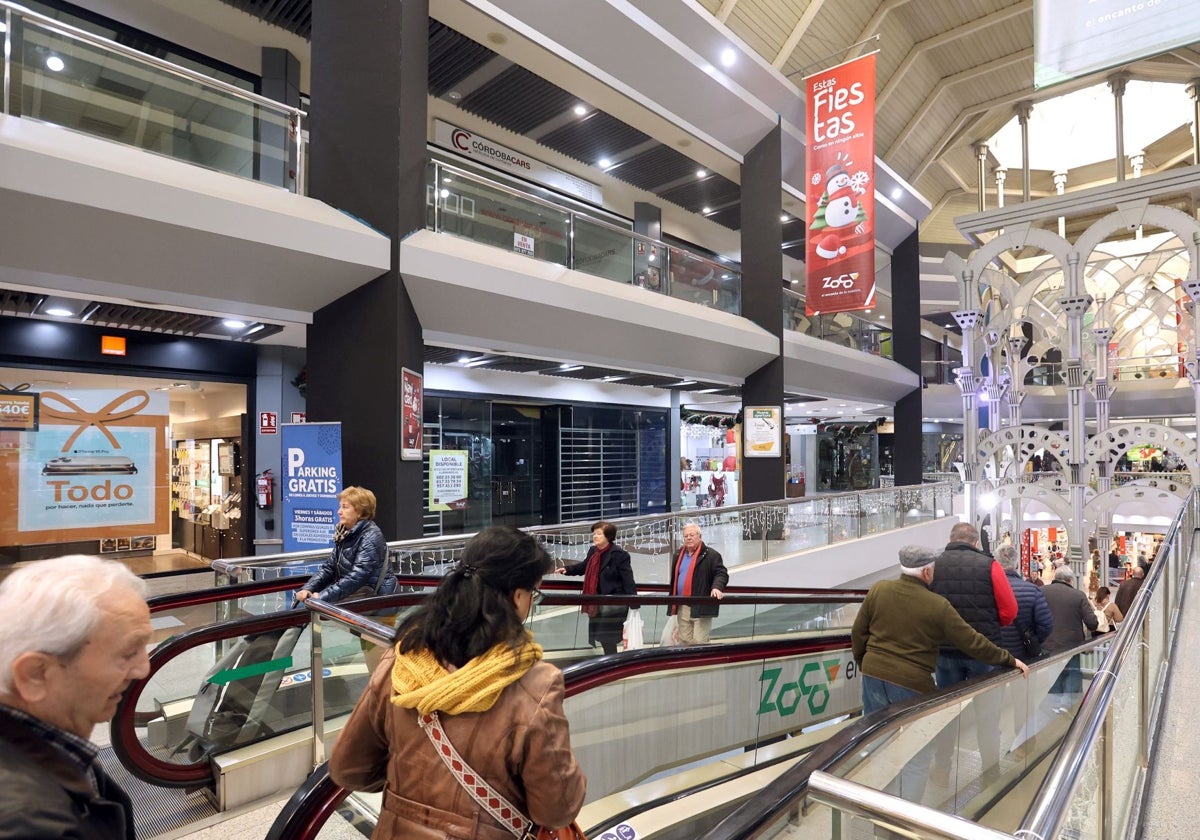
<point>1060,187</point>
<point>969,320</point>
<point>1001,176</point>
<point>1102,390</point>
<point>1193,90</point>
<point>1016,395</point>
<point>1192,287</point>
<point>1074,304</point>
<point>1024,112</point>
<point>994,385</point>
<point>981,151</point>
<point>1116,83</point>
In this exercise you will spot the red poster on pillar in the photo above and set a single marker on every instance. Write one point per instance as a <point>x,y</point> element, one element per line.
<point>840,206</point>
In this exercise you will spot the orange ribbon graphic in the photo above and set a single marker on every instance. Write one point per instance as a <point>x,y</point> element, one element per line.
<point>108,414</point>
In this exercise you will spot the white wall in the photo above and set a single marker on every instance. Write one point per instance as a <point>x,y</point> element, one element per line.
<point>843,564</point>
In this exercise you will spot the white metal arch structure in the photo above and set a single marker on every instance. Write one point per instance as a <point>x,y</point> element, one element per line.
<point>1030,439</point>
<point>1131,215</point>
<point>1168,494</point>
<point>1021,236</point>
<point>1108,446</point>
<point>1038,492</point>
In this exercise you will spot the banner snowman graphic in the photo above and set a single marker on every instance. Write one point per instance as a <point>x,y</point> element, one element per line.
<point>840,207</point>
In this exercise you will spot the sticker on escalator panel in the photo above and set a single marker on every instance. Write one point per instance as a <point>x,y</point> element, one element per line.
<point>622,832</point>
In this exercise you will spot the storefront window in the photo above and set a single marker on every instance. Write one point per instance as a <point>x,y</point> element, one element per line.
<point>121,465</point>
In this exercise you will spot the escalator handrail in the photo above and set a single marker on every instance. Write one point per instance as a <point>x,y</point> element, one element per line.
<point>792,785</point>
<point>199,597</point>
<point>305,813</point>
<point>1052,801</point>
<point>147,767</point>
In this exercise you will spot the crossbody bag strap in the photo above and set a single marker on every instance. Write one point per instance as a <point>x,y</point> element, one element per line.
<point>474,784</point>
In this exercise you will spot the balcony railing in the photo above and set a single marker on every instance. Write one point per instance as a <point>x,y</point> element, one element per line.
<point>486,211</point>
<point>841,328</point>
<point>60,74</point>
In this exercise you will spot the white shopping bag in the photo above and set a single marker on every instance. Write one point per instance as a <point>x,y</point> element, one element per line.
<point>670,633</point>
<point>633,630</point>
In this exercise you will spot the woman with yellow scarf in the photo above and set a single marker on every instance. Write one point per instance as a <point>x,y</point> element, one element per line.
<point>465,675</point>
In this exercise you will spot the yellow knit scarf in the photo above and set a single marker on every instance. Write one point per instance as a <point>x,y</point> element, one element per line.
<point>420,682</point>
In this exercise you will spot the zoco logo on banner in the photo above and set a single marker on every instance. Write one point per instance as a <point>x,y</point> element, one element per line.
<point>812,686</point>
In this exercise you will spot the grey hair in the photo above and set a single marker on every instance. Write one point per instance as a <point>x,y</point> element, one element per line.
<point>1064,574</point>
<point>1008,557</point>
<point>691,523</point>
<point>54,607</point>
<point>921,556</point>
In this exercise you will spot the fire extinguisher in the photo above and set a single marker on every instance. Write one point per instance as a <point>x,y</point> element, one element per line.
<point>262,490</point>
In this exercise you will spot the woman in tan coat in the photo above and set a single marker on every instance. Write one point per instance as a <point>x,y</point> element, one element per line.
<point>465,658</point>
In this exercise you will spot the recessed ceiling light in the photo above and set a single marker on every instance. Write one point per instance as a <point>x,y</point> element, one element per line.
<point>728,57</point>
<point>868,311</point>
<point>454,96</point>
<point>604,163</point>
<point>784,217</point>
<point>446,180</point>
<point>58,311</point>
<point>462,360</point>
<point>793,281</point>
<point>580,110</point>
<point>896,193</point>
<point>55,64</point>
<point>882,317</point>
<point>566,367</point>
<point>234,324</point>
<point>706,210</point>
<point>700,173</point>
<point>445,193</point>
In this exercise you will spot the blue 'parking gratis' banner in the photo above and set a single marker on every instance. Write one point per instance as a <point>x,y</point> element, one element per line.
<point>311,480</point>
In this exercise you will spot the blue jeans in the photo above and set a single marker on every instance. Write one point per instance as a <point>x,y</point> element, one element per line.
<point>955,668</point>
<point>879,694</point>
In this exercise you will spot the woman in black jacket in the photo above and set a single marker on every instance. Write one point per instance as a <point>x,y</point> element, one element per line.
<point>606,571</point>
<point>356,567</point>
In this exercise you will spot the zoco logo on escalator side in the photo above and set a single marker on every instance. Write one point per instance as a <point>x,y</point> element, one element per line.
<point>812,687</point>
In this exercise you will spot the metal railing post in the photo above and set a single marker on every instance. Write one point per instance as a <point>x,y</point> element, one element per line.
<point>8,33</point>
<point>318,692</point>
<point>300,190</point>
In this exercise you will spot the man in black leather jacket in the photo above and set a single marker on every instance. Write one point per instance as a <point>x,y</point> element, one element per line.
<point>73,636</point>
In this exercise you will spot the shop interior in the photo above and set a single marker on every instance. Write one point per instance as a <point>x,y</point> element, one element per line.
<point>205,470</point>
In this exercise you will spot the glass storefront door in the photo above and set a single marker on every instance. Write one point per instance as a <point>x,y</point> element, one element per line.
<point>517,465</point>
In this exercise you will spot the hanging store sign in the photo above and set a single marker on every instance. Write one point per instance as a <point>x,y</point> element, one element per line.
<point>840,208</point>
<point>312,479</point>
<point>498,156</point>
<point>94,467</point>
<point>412,409</point>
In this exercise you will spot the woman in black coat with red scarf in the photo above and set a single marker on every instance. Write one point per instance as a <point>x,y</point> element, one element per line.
<point>606,571</point>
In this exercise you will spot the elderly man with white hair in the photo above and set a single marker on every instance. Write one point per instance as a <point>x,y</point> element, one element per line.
<point>73,636</point>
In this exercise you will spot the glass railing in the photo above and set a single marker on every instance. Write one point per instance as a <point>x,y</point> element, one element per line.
<point>485,211</point>
<point>843,328</point>
<point>1168,366</point>
<point>749,533</point>
<point>57,73</point>
<point>1060,754</point>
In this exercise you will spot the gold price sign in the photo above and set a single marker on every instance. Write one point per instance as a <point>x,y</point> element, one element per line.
<point>762,433</point>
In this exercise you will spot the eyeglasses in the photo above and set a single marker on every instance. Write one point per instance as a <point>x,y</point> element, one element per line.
<point>536,596</point>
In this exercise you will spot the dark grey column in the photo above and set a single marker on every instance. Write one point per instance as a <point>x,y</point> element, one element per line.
<point>762,299</point>
<point>906,347</point>
<point>674,453</point>
<point>368,157</point>
<point>281,82</point>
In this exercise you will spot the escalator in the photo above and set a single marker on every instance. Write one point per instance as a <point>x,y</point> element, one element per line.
<point>247,751</point>
<point>728,795</point>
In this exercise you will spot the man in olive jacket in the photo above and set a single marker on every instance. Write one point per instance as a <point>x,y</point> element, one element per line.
<point>895,641</point>
<point>897,632</point>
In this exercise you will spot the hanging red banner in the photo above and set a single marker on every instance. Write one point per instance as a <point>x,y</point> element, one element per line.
<point>840,207</point>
